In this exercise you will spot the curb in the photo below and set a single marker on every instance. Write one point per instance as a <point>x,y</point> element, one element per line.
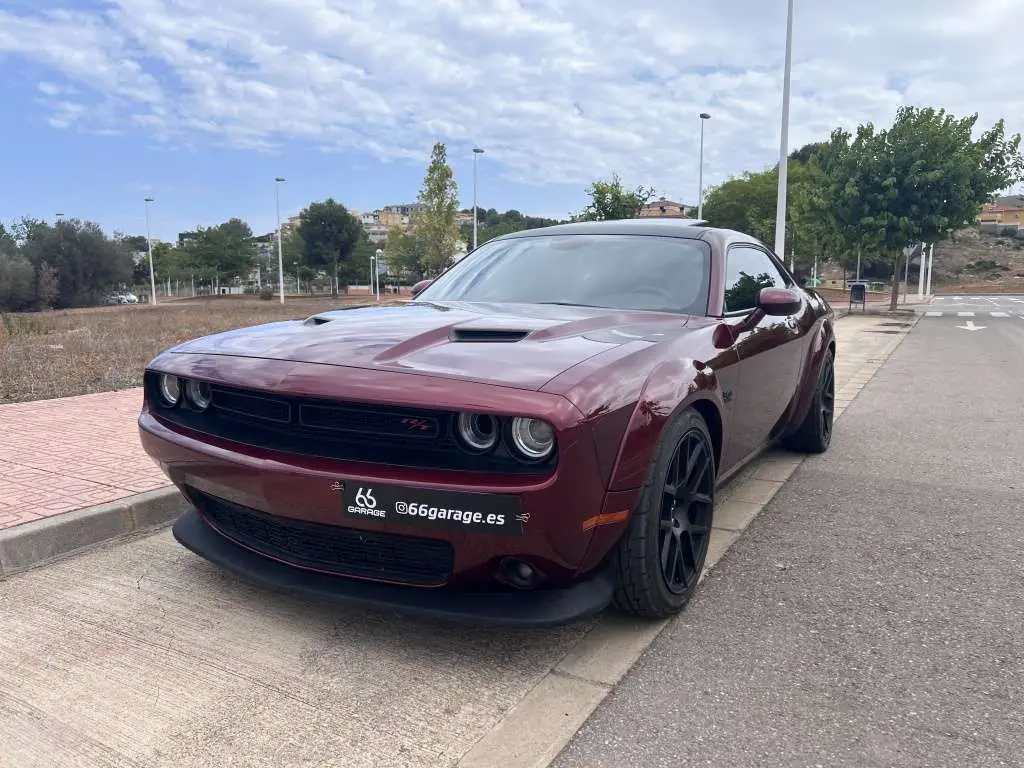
<point>41,542</point>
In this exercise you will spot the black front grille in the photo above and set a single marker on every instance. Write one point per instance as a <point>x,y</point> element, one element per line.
<point>381,434</point>
<point>331,549</point>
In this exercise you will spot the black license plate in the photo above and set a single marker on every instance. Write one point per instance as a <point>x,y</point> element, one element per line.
<point>429,508</point>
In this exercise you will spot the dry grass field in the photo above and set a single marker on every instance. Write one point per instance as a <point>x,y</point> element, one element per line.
<point>74,352</point>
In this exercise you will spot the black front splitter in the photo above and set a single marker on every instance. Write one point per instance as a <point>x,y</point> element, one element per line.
<point>528,609</point>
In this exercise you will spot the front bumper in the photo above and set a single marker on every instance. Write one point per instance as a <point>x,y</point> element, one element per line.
<point>523,609</point>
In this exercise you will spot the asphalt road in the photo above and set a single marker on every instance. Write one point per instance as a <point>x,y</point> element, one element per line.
<point>873,614</point>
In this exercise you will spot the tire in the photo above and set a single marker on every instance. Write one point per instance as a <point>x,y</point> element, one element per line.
<point>642,587</point>
<point>815,433</point>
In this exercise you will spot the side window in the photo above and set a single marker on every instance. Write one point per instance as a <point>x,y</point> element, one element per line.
<point>747,271</point>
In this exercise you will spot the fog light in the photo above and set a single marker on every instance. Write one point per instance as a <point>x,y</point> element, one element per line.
<point>519,573</point>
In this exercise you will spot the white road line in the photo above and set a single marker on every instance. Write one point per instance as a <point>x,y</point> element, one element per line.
<point>999,314</point>
<point>933,314</point>
<point>965,314</point>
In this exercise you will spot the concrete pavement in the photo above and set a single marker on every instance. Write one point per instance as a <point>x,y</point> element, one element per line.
<point>139,654</point>
<point>873,614</point>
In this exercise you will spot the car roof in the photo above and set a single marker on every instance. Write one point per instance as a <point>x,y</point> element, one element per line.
<point>692,229</point>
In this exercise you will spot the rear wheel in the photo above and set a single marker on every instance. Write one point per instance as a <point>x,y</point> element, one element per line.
<point>815,433</point>
<point>660,559</point>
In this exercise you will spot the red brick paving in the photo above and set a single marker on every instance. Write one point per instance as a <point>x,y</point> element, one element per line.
<point>60,455</point>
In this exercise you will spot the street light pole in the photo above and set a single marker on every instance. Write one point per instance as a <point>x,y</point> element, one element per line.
<point>780,205</point>
<point>149,246</point>
<point>476,153</point>
<point>280,252</point>
<point>700,173</point>
<point>376,270</point>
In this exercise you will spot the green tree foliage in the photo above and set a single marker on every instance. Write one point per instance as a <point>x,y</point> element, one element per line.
<point>889,189</point>
<point>329,233</point>
<point>433,224</point>
<point>747,204</point>
<point>218,254</point>
<point>608,200</point>
<point>491,224</point>
<point>404,254</point>
<point>73,264</point>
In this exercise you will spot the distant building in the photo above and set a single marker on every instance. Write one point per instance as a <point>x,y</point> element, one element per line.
<point>662,208</point>
<point>1006,214</point>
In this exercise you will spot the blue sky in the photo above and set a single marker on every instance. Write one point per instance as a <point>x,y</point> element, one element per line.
<point>200,105</point>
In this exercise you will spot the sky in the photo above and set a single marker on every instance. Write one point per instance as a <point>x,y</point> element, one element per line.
<point>200,104</point>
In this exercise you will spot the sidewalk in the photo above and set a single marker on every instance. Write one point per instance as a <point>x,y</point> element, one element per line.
<point>74,452</point>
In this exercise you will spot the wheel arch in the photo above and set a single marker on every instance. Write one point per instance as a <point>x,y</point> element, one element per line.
<point>823,342</point>
<point>668,390</point>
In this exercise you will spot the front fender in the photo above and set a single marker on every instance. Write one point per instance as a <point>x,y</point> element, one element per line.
<point>671,387</point>
<point>821,341</point>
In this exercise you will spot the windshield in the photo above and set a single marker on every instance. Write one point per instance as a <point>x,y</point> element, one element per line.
<point>628,272</point>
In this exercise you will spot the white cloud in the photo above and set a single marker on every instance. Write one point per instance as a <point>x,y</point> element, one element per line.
<point>555,90</point>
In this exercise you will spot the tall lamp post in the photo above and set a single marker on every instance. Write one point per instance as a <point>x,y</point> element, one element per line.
<point>780,205</point>
<point>700,173</point>
<point>376,270</point>
<point>476,153</point>
<point>149,246</point>
<point>280,252</point>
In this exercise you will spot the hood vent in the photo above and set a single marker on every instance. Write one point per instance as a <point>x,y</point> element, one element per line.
<point>314,320</point>
<point>494,335</point>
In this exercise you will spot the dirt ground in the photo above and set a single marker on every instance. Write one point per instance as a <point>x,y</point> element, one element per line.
<point>78,351</point>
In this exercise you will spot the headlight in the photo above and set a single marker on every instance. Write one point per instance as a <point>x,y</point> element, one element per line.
<point>199,394</point>
<point>170,389</point>
<point>477,431</point>
<point>533,439</point>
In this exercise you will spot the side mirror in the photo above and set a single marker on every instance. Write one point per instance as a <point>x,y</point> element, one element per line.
<point>778,302</point>
<point>418,288</point>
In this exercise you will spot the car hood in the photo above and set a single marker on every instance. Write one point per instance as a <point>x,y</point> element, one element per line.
<point>515,345</point>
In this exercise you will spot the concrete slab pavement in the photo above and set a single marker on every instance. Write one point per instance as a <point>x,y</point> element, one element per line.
<point>140,654</point>
<point>873,613</point>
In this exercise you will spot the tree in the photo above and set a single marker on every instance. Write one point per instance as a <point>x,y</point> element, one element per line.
<point>225,251</point>
<point>329,234</point>
<point>491,224</point>
<point>911,183</point>
<point>608,200</point>
<point>748,203</point>
<point>434,222</point>
<point>75,263</point>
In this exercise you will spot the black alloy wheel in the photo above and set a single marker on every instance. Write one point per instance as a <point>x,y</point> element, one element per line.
<point>661,556</point>
<point>686,511</point>
<point>815,432</point>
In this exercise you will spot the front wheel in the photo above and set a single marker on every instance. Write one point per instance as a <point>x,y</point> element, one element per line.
<point>815,433</point>
<point>661,556</point>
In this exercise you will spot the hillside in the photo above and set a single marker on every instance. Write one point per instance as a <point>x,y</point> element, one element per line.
<point>978,261</point>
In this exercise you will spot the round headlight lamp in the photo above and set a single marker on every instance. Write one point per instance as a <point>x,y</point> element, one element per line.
<point>169,388</point>
<point>534,439</point>
<point>199,394</point>
<point>478,432</point>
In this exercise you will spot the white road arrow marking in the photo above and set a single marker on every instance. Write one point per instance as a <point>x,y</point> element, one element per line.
<point>970,326</point>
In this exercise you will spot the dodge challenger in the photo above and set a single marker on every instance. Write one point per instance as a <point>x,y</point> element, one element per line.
<point>536,436</point>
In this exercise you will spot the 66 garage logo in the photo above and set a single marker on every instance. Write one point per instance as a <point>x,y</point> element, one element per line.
<point>365,504</point>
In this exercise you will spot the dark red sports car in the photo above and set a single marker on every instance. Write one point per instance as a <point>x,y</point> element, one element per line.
<point>537,435</point>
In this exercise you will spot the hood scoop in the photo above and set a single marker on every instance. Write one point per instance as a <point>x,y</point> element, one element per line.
<point>492,335</point>
<point>316,320</point>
